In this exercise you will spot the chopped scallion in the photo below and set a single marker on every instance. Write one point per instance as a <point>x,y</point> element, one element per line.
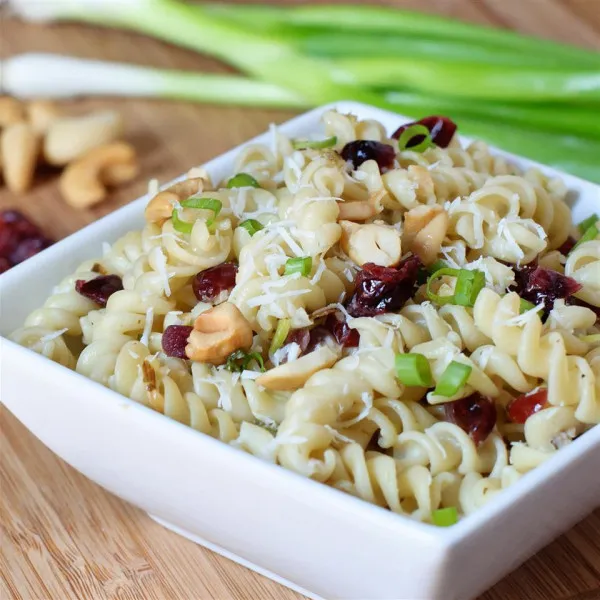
<point>436,297</point>
<point>445,517</point>
<point>415,131</point>
<point>315,144</point>
<point>239,360</point>
<point>437,265</point>
<point>468,286</point>
<point>281,333</point>
<point>590,234</point>
<point>242,180</point>
<point>525,305</point>
<point>251,226</point>
<point>301,264</point>
<point>587,223</point>
<point>453,379</point>
<point>199,203</point>
<point>413,370</point>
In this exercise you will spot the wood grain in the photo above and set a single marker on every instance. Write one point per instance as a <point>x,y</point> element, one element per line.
<point>63,537</point>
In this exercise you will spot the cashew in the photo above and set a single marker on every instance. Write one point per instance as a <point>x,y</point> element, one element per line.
<point>217,333</point>
<point>41,114</point>
<point>425,228</point>
<point>160,208</point>
<point>294,375</point>
<point>19,146</point>
<point>82,183</point>
<point>69,138</point>
<point>373,243</point>
<point>362,210</point>
<point>11,111</point>
<point>201,173</point>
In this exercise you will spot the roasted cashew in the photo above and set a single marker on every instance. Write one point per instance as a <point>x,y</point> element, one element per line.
<point>217,333</point>
<point>373,243</point>
<point>41,114</point>
<point>362,210</point>
<point>295,374</point>
<point>82,183</point>
<point>70,138</point>
<point>11,111</point>
<point>424,230</point>
<point>160,208</point>
<point>19,147</point>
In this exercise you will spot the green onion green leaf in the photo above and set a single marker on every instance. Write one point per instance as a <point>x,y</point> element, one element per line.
<point>416,130</point>
<point>525,305</point>
<point>445,517</point>
<point>315,144</point>
<point>437,265</point>
<point>468,286</point>
<point>453,379</point>
<point>440,300</point>
<point>199,203</point>
<point>301,264</point>
<point>239,360</point>
<point>587,223</point>
<point>251,226</point>
<point>242,180</point>
<point>590,234</point>
<point>413,370</point>
<point>281,333</point>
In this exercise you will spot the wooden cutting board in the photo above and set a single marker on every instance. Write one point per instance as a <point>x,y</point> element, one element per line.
<point>63,537</point>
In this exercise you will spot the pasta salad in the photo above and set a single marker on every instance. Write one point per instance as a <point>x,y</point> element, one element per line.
<point>403,318</point>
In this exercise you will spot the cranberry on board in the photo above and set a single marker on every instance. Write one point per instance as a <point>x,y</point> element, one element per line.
<point>442,130</point>
<point>175,339</point>
<point>521,408</point>
<point>19,238</point>
<point>210,283</point>
<point>4,264</point>
<point>359,151</point>
<point>99,289</point>
<point>475,414</point>
<point>383,289</point>
<point>343,334</point>
<point>28,248</point>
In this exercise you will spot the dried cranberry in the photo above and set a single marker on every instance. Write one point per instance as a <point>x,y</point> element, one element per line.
<point>308,339</point>
<point>4,264</point>
<point>568,245</point>
<point>536,284</point>
<point>475,414</point>
<point>442,130</point>
<point>318,337</point>
<point>521,408</point>
<point>359,151</point>
<point>300,337</point>
<point>210,283</point>
<point>174,340</point>
<point>383,289</point>
<point>343,334</point>
<point>28,248</point>
<point>99,289</point>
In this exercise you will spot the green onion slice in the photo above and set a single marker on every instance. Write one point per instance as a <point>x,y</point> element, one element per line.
<point>437,265</point>
<point>453,379</point>
<point>252,226</point>
<point>444,517</point>
<point>281,333</point>
<point>587,223</point>
<point>199,203</point>
<point>590,234</point>
<point>242,180</point>
<point>416,130</point>
<point>413,370</point>
<point>468,286</point>
<point>525,305</point>
<point>440,300</point>
<point>302,264</point>
<point>239,361</point>
<point>314,144</point>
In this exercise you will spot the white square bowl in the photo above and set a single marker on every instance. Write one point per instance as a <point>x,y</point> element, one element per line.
<point>310,537</point>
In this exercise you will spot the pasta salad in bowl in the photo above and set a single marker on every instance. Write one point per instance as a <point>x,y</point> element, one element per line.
<point>399,315</point>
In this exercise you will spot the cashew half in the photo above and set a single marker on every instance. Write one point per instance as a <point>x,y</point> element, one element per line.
<point>364,209</point>
<point>160,208</point>
<point>11,111</point>
<point>41,114</point>
<point>19,147</point>
<point>373,243</point>
<point>83,182</point>
<point>70,138</point>
<point>295,374</point>
<point>217,333</point>
<point>424,231</point>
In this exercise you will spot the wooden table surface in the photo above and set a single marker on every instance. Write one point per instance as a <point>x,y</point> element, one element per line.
<point>65,538</point>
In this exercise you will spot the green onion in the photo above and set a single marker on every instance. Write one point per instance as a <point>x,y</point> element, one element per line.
<point>239,360</point>
<point>445,517</point>
<point>468,286</point>
<point>251,226</point>
<point>525,305</point>
<point>413,370</point>
<point>440,300</point>
<point>436,266</point>
<point>281,333</point>
<point>315,144</point>
<point>590,234</point>
<point>587,223</point>
<point>302,265</point>
<point>414,131</point>
<point>199,203</point>
<point>453,379</point>
<point>242,180</point>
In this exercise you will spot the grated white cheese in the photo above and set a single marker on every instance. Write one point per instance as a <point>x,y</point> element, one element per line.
<point>289,240</point>
<point>339,436</point>
<point>247,374</point>
<point>52,336</point>
<point>526,316</point>
<point>147,327</point>
<point>289,352</point>
<point>160,262</point>
<point>367,399</point>
<point>319,272</point>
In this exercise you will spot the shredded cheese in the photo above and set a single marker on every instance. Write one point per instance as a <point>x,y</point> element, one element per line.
<point>147,327</point>
<point>52,336</point>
